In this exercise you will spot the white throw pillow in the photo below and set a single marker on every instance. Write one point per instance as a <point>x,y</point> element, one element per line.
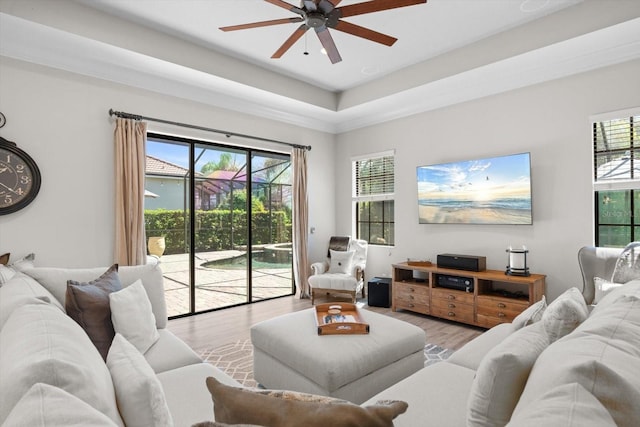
<point>631,288</point>
<point>603,287</point>
<point>531,315</point>
<point>132,316</point>
<point>502,375</point>
<point>139,393</point>
<point>602,355</point>
<point>47,406</point>
<point>41,344</point>
<point>569,405</point>
<point>341,262</point>
<point>628,264</point>
<point>10,270</point>
<point>25,263</point>
<point>6,273</point>
<point>564,314</point>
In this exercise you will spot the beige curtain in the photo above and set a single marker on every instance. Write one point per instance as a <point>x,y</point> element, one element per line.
<point>300,221</point>
<point>129,139</point>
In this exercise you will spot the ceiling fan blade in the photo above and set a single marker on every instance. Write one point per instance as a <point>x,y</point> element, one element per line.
<point>328,44</point>
<point>310,5</point>
<point>262,24</point>
<point>375,6</point>
<point>365,33</point>
<point>285,5</point>
<point>326,6</point>
<point>290,41</point>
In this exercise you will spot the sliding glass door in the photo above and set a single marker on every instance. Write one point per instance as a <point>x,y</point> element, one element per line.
<point>271,254</point>
<point>234,247</point>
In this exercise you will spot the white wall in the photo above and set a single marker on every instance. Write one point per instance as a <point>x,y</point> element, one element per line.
<point>62,121</point>
<point>549,120</point>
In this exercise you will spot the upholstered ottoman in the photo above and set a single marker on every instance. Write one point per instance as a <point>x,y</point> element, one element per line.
<point>289,354</point>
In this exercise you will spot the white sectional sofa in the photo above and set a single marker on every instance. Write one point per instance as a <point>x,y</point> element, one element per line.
<point>521,376</point>
<point>39,343</point>
<point>538,371</point>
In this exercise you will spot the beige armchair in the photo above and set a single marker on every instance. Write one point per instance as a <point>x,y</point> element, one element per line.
<point>343,272</point>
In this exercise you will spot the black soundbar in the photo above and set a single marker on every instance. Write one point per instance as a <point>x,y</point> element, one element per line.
<point>462,262</point>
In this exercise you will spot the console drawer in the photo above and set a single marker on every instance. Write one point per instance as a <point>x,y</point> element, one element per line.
<point>411,292</point>
<point>412,306</point>
<point>494,310</point>
<point>452,295</point>
<point>461,313</point>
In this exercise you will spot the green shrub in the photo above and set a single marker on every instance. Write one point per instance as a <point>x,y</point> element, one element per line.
<point>216,230</point>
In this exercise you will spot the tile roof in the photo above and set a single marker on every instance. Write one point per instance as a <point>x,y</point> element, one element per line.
<point>157,166</point>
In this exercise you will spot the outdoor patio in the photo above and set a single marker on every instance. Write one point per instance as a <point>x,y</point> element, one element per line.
<point>218,286</point>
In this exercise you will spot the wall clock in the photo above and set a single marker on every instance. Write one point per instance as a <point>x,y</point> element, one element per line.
<point>19,178</point>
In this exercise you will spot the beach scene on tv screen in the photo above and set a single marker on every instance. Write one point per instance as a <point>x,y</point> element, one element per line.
<point>487,191</point>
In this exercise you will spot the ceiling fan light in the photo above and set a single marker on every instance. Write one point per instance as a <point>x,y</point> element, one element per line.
<point>323,51</point>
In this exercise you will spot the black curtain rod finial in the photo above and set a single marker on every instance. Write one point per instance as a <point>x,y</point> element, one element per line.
<point>123,115</point>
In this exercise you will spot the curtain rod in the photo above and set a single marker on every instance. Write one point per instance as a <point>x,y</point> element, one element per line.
<point>124,115</point>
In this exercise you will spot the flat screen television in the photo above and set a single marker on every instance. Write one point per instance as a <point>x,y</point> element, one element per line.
<point>494,190</point>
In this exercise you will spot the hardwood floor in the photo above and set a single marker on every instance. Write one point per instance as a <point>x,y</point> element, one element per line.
<point>221,327</point>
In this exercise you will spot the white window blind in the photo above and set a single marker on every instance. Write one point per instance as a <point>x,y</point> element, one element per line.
<point>374,178</point>
<point>373,198</point>
<point>616,153</point>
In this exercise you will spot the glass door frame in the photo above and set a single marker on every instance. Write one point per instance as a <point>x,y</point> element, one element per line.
<point>193,144</point>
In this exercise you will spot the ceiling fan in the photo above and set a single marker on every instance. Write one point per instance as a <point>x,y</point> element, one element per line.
<point>324,14</point>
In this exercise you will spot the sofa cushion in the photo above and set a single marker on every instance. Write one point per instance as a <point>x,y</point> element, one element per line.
<point>55,280</point>
<point>41,344</point>
<point>430,401</point>
<point>568,405</point>
<point>138,392</point>
<point>170,352</point>
<point>237,405</point>
<point>16,295</point>
<point>602,355</point>
<point>132,316</point>
<point>564,314</point>
<point>22,285</point>
<point>502,375</point>
<point>47,406</point>
<point>186,392</point>
<point>472,353</point>
<point>531,315</point>
<point>88,304</point>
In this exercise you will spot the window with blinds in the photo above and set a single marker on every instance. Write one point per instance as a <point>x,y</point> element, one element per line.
<point>373,197</point>
<point>616,180</point>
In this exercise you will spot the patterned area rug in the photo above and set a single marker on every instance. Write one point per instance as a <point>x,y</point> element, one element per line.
<point>236,359</point>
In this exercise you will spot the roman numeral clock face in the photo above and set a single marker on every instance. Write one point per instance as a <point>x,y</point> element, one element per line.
<point>19,178</point>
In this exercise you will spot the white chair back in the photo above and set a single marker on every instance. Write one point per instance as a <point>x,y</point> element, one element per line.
<point>360,252</point>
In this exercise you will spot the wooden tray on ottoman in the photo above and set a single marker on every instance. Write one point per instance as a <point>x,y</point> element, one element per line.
<point>339,318</point>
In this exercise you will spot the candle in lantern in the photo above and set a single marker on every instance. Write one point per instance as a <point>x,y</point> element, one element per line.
<point>516,260</point>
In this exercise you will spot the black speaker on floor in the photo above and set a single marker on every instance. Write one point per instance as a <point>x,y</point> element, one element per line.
<point>379,292</point>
